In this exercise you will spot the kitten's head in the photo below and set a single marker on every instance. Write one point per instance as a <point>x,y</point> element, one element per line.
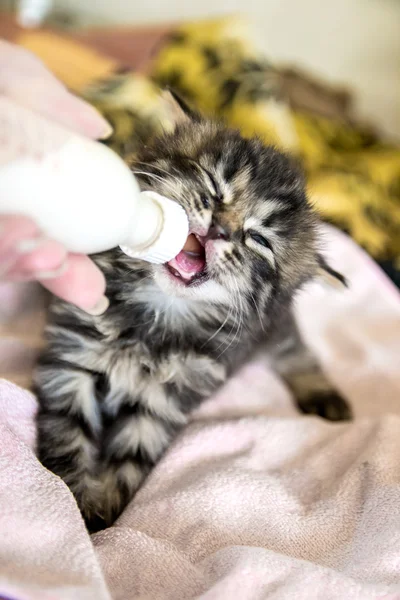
<point>253,233</point>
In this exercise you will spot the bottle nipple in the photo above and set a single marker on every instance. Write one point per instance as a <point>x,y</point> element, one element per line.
<point>160,231</point>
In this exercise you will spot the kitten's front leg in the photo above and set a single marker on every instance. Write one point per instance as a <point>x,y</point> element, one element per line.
<point>133,441</point>
<point>101,444</point>
<point>141,424</point>
<point>301,371</point>
<point>103,433</point>
<point>69,430</point>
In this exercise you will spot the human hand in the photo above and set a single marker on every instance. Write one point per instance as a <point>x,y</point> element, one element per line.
<point>25,254</point>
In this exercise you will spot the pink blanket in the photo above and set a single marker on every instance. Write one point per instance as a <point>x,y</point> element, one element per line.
<point>253,500</point>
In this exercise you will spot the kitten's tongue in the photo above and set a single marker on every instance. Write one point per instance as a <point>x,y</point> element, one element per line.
<point>191,259</point>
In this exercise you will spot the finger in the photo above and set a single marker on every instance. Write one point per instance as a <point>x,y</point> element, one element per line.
<point>82,284</point>
<point>25,254</point>
<point>38,258</point>
<point>69,111</point>
<point>13,231</point>
<point>25,79</point>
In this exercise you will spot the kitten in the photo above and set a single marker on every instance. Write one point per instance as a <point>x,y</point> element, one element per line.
<point>114,390</point>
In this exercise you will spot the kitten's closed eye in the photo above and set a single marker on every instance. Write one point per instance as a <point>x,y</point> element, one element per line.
<point>205,201</point>
<point>261,240</point>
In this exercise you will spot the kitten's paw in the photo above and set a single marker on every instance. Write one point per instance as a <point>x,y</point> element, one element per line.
<point>100,511</point>
<point>328,405</point>
<point>92,502</point>
<point>102,499</point>
<point>94,523</point>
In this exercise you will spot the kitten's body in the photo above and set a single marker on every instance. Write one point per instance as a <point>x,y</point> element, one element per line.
<point>114,390</point>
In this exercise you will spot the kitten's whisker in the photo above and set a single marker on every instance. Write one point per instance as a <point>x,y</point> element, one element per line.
<point>156,177</point>
<point>175,179</point>
<point>147,277</point>
<point>240,310</point>
<point>240,313</point>
<point>163,312</point>
<point>230,312</point>
<point>158,313</point>
<point>258,312</point>
<point>238,305</point>
<point>219,328</point>
<point>169,173</point>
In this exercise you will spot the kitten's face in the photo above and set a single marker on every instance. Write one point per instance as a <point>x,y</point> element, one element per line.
<point>252,231</point>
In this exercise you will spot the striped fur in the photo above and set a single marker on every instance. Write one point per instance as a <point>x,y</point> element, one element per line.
<point>114,390</point>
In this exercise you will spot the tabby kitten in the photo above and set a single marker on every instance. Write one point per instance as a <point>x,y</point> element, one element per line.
<point>115,389</point>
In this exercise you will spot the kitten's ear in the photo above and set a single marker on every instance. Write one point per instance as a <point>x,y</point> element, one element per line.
<point>329,276</point>
<point>177,109</point>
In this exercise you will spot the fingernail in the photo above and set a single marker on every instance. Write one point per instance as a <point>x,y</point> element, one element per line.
<point>99,308</point>
<point>28,246</point>
<point>86,117</point>
<point>107,132</point>
<point>53,273</point>
<point>105,129</point>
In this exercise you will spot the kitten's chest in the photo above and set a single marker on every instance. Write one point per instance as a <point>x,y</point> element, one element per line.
<point>177,378</point>
<point>171,350</point>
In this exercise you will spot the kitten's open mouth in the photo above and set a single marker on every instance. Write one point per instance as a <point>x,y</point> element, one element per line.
<point>190,265</point>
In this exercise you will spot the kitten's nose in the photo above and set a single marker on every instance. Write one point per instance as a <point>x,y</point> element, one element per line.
<point>217,232</point>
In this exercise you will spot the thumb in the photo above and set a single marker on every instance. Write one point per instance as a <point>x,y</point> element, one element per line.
<point>82,284</point>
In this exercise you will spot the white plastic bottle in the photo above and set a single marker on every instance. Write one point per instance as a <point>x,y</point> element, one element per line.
<point>80,193</point>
